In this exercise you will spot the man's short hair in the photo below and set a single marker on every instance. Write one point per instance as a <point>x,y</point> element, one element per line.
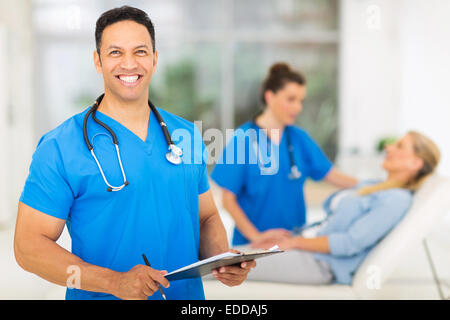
<point>120,14</point>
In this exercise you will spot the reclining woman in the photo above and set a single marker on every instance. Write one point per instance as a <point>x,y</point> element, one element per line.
<point>357,219</point>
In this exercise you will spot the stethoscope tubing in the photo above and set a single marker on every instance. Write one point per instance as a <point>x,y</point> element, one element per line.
<point>172,156</point>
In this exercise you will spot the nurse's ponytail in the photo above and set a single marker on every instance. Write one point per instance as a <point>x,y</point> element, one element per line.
<point>279,75</point>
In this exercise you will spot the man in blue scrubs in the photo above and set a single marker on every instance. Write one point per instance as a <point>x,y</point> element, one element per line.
<point>166,212</point>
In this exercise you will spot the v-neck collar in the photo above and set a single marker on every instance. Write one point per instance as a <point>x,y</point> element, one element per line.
<point>116,125</point>
<point>283,134</point>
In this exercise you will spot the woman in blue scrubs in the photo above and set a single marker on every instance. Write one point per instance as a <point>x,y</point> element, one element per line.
<point>265,196</point>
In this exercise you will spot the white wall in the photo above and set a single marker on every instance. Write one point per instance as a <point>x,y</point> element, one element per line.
<point>395,69</point>
<point>425,76</point>
<point>4,125</point>
<point>16,103</point>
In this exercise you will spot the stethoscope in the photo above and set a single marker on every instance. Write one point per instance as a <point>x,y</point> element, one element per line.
<point>173,155</point>
<point>294,173</point>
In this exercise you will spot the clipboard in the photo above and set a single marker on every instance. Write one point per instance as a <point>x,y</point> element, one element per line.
<point>204,267</point>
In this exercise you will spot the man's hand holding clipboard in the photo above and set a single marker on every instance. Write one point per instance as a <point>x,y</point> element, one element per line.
<point>231,267</point>
<point>233,275</point>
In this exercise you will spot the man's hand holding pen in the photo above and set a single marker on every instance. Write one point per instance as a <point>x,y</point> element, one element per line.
<point>139,283</point>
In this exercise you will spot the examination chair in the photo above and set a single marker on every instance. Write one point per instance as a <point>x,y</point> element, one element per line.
<point>430,204</point>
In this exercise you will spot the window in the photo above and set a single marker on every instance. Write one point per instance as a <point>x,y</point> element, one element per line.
<point>213,57</point>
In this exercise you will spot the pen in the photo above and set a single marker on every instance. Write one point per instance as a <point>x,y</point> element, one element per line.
<point>159,286</point>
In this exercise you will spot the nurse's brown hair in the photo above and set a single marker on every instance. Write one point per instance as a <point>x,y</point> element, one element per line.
<point>279,75</point>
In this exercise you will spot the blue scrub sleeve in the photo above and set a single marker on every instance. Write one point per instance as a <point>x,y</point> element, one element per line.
<point>319,164</point>
<point>46,188</point>
<point>368,230</point>
<point>228,173</point>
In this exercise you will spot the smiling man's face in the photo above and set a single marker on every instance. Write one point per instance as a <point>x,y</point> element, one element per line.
<point>126,60</point>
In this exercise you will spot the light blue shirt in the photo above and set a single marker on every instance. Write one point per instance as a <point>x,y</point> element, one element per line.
<point>269,200</point>
<point>357,224</point>
<point>155,215</point>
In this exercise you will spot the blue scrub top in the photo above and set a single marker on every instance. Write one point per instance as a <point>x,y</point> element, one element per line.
<point>269,200</point>
<point>156,214</point>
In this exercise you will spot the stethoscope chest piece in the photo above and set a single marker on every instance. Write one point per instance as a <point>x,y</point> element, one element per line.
<point>295,173</point>
<point>174,154</point>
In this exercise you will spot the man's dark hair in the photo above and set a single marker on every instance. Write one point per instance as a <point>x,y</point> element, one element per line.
<point>120,14</point>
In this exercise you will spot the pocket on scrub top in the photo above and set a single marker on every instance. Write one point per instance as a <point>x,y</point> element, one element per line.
<point>191,182</point>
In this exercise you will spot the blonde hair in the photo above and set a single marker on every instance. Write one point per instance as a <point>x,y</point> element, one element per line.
<point>426,150</point>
